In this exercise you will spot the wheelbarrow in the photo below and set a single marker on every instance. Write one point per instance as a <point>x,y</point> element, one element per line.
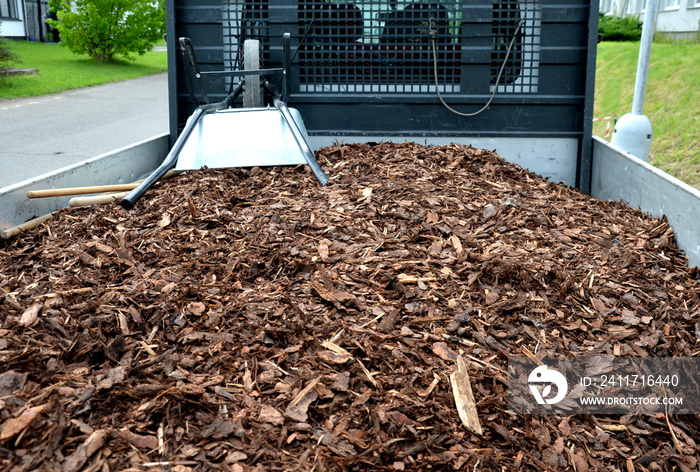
<point>217,135</point>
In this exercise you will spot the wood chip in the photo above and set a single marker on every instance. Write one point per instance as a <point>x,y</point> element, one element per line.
<point>14,426</point>
<point>464,398</point>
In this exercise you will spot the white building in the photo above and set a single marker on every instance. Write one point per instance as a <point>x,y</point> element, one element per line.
<point>25,19</point>
<point>677,18</point>
<point>12,18</point>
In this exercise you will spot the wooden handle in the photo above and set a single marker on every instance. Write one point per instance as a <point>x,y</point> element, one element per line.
<point>27,225</point>
<point>97,199</point>
<point>64,192</point>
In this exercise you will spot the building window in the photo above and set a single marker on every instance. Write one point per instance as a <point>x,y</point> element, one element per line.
<point>671,4</point>
<point>8,9</point>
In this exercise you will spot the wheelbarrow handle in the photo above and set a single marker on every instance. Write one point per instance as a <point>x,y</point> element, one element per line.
<point>189,61</point>
<point>168,163</point>
<point>287,62</point>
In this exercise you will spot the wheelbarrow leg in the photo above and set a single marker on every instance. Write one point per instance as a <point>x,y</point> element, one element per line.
<point>301,142</point>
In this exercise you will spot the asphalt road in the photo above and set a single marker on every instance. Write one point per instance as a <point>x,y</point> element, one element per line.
<point>42,134</point>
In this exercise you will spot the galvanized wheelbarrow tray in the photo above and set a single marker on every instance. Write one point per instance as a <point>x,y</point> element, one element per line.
<point>220,136</point>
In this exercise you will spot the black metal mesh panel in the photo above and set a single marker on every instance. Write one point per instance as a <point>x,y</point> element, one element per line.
<point>384,46</point>
<point>520,67</point>
<point>241,20</point>
<point>370,46</point>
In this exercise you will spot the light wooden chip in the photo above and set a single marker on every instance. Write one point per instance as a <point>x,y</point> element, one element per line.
<point>331,346</point>
<point>30,316</point>
<point>456,244</point>
<point>613,427</point>
<point>367,373</point>
<point>407,279</point>
<point>333,357</point>
<point>464,398</point>
<point>14,426</point>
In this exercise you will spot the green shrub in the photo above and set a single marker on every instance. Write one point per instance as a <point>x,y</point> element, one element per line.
<point>613,28</point>
<point>7,57</point>
<point>105,28</point>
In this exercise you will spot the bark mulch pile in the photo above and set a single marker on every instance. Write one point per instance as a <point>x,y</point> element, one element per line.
<point>252,320</point>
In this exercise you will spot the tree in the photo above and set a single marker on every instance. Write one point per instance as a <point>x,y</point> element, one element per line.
<point>105,28</point>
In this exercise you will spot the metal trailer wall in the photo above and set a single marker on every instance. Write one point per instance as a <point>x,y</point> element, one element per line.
<point>542,122</point>
<point>120,166</point>
<point>619,176</point>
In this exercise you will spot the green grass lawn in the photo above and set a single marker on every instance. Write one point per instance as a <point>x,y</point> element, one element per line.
<point>672,100</point>
<point>60,70</point>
